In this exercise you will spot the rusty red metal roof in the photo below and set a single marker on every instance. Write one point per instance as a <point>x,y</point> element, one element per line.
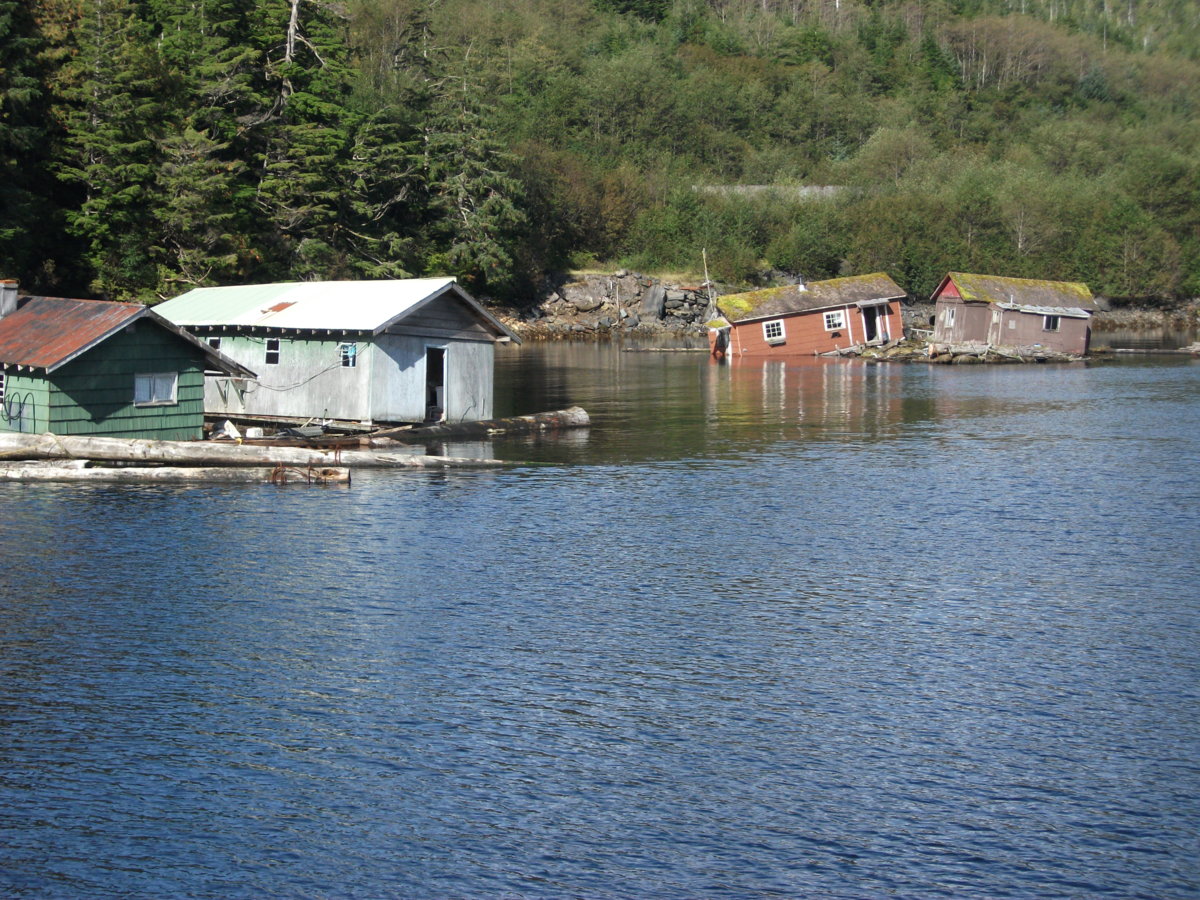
<point>47,332</point>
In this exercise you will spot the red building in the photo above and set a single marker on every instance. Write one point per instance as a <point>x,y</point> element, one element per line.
<point>1021,313</point>
<point>809,319</point>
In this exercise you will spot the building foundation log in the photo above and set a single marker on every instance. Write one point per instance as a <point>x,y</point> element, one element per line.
<point>85,470</point>
<point>572,417</point>
<point>14,446</point>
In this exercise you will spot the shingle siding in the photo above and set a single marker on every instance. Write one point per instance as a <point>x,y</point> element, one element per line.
<point>93,394</point>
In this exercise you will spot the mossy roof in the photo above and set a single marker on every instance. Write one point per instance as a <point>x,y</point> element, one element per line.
<point>1020,291</point>
<point>793,298</point>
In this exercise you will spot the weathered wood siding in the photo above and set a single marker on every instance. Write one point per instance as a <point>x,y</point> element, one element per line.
<point>386,385</point>
<point>991,324</point>
<point>94,394</point>
<point>805,333</point>
<point>971,320</point>
<point>444,323</point>
<point>443,318</point>
<point>470,386</point>
<point>308,380</point>
<point>398,389</point>
<point>1014,328</point>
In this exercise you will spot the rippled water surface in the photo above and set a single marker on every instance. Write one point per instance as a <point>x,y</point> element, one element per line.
<point>811,630</point>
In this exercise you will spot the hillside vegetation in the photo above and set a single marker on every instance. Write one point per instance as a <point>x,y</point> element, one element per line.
<point>149,146</point>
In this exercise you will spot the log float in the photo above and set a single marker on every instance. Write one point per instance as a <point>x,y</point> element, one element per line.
<point>572,417</point>
<point>86,470</point>
<point>15,446</point>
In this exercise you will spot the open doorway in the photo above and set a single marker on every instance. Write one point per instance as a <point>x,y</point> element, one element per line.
<point>873,318</point>
<point>435,384</point>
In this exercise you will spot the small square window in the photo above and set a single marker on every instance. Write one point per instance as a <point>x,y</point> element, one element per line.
<point>348,353</point>
<point>773,331</point>
<point>215,343</point>
<point>1050,323</point>
<point>835,320</point>
<point>272,357</point>
<point>155,389</point>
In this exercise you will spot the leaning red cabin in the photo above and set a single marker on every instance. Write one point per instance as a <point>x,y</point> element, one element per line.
<point>809,319</point>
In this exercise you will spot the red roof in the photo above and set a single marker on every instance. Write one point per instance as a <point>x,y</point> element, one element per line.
<point>46,332</point>
<point>49,332</point>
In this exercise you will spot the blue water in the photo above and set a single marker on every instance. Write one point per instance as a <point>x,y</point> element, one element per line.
<point>817,630</point>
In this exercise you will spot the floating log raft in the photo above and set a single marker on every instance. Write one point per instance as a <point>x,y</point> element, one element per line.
<point>15,446</point>
<point>573,417</point>
<point>86,470</point>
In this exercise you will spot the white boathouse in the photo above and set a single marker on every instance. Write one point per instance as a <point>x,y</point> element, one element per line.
<point>410,350</point>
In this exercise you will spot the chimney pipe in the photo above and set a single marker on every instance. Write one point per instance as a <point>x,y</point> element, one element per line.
<point>8,296</point>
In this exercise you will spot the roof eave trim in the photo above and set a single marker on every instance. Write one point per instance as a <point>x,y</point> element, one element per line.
<point>211,354</point>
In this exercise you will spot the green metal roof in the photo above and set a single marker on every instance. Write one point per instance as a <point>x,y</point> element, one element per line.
<point>332,306</point>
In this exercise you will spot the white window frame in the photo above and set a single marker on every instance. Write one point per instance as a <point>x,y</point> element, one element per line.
<point>774,331</point>
<point>3,384</point>
<point>272,348</point>
<point>1051,323</point>
<point>348,354</point>
<point>949,315</point>
<point>214,341</point>
<point>835,320</point>
<point>156,389</point>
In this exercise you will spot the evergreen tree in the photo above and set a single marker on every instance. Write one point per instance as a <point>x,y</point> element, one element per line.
<point>384,192</point>
<point>381,186</point>
<point>114,132</point>
<point>300,135</point>
<point>475,194</point>
<point>197,217</point>
<point>20,135</point>
<point>203,212</point>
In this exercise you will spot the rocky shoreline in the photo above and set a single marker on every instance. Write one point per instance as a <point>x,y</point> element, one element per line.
<point>597,306</point>
<point>611,305</point>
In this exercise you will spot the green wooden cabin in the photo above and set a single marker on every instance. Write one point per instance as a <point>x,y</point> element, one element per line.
<point>90,367</point>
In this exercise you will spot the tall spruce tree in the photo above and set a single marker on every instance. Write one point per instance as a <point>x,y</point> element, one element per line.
<point>203,210</point>
<point>380,188</point>
<point>300,135</point>
<point>199,239</point>
<point>21,132</point>
<point>473,190</point>
<point>385,195</point>
<point>116,85</point>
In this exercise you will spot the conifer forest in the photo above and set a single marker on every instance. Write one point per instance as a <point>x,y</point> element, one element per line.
<point>151,146</point>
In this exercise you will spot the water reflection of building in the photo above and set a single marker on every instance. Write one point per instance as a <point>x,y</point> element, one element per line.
<point>817,397</point>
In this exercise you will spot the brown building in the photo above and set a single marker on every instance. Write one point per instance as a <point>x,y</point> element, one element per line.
<point>809,319</point>
<point>1013,312</point>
